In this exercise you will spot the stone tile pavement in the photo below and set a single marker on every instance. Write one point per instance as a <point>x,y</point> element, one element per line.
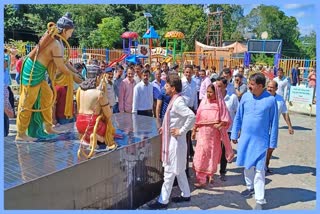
<point>292,186</point>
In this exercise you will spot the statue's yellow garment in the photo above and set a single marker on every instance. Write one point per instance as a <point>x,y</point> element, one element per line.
<point>67,80</point>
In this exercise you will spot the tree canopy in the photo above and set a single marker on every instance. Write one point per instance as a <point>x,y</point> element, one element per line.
<point>100,25</point>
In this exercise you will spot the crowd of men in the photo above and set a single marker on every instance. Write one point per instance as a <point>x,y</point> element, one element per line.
<point>144,92</point>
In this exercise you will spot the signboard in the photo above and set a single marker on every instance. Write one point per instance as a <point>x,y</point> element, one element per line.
<point>159,51</point>
<point>143,50</point>
<point>301,94</point>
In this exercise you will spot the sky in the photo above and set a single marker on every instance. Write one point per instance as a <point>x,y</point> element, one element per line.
<point>304,13</point>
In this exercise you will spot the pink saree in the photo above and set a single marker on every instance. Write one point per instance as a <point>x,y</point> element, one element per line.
<point>208,149</point>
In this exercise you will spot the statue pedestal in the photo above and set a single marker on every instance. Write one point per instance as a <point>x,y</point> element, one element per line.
<point>48,175</point>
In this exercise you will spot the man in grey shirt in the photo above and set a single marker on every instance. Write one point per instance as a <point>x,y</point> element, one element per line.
<point>116,85</point>
<point>239,86</point>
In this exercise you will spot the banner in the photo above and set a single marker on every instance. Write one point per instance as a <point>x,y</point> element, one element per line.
<point>141,50</point>
<point>301,94</point>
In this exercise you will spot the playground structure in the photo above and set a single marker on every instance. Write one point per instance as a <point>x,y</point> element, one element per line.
<point>263,46</point>
<point>148,38</point>
<point>80,55</point>
<point>215,29</point>
<point>204,55</point>
<point>130,45</point>
<point>274,47</point>
<point>208,56</point>
<point>174,39</point>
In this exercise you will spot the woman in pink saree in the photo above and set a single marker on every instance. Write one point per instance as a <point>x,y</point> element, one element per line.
<point>212,122</point>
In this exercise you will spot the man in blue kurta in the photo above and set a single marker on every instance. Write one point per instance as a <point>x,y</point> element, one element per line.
<point>257,123</point>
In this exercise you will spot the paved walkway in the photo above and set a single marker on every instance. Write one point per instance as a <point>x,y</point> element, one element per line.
<point>291,186</point>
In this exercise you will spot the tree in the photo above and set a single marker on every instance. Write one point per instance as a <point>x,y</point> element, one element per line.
<point>86,18</point>
<point>262,58</point>
<point>308,45</point>
<point>15,23</point>
<point>276,23</point>
<point>27,22</point>
<point>39,15</point>
<point>232,15</point>
<point>189,19</point>
<point>107,34</point>
<point>139,23</point>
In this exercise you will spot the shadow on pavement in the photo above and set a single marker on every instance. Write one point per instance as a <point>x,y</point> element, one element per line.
<point>297,128</point>
<point>288,196</point>
<point>294,169</point>
<point>226,198</point>
<point>234,180</point>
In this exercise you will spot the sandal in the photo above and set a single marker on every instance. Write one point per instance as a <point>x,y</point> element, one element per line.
<point>200,185</point>
<point>210,179</point>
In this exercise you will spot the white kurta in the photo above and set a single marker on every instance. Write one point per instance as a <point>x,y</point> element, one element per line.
<point>283,86</point>
<point>282,108</point>
<point>183,118</point>
<point>232,104</point>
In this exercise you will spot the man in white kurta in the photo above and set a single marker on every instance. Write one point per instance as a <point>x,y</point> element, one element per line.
<point>257,121</point>
<point>174,152</point>
<point>189,93</point>
<point>282,109</point>
<point>232,104</point>
<point>283,84</point>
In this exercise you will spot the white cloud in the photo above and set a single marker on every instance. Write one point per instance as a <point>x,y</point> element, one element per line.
<point>297,6</point>
<point>300,14</point>
<point>293,6</point>
<point>306,29</point>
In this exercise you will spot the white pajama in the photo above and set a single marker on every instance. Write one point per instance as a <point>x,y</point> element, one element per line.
<point>168,183</point>
<point>183,118</point>
<point>255,179</point>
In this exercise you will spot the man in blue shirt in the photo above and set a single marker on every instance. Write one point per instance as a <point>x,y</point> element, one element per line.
<point>158,85</point>
<point>197,79</point>
<point>295,73</point>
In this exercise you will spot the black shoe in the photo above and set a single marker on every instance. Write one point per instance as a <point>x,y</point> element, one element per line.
<point>258,207</point>
<point>223,177</point>
<point>157,206</point>
<point>269,171</point>
<point>247,193</point>
<point>180,199</point>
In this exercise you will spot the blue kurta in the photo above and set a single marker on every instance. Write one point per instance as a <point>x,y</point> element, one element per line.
<point>257,119</point>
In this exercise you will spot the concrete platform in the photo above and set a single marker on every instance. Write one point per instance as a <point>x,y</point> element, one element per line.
<point>310,110</point>
<point>49,175</point>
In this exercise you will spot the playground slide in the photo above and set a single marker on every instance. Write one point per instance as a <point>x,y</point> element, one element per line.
<point>122,57</point>
<point>132,59</point>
